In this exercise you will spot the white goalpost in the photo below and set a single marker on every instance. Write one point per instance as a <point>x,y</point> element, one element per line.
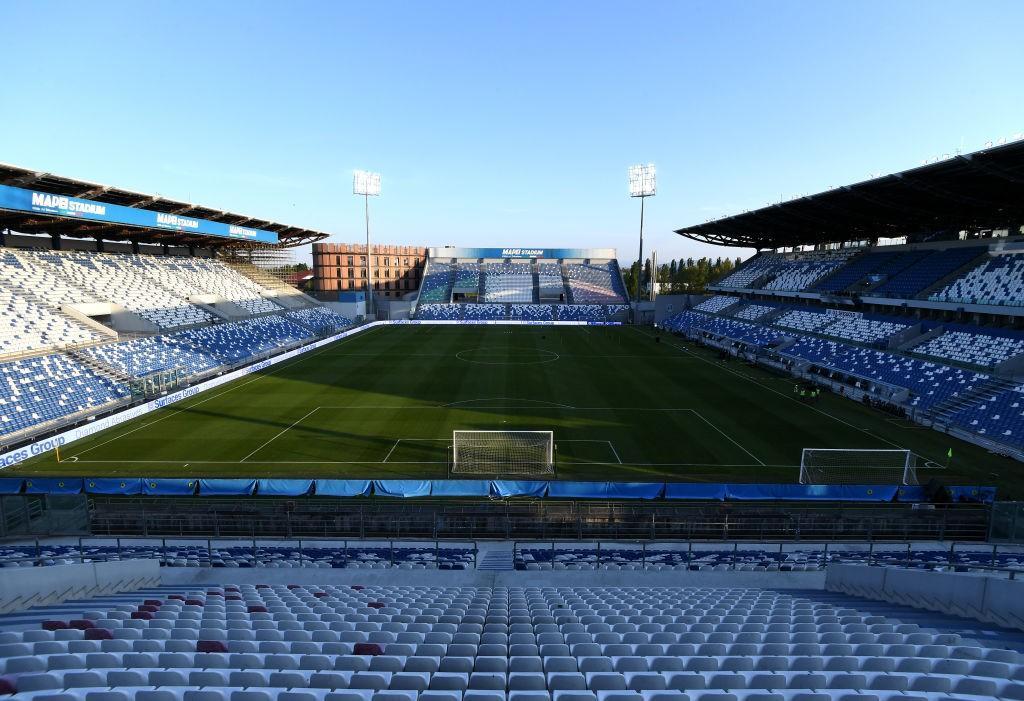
<point>857,466</point>
<point>513,453</point>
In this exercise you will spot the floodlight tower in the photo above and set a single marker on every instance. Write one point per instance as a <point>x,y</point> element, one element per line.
<point>367,184</point>
<point>642,184</point>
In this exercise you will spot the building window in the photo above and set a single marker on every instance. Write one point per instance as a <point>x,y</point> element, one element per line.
<point>351,284</point>
<point>337,272</point>
<point>350,260</point>
<point>337,260</point>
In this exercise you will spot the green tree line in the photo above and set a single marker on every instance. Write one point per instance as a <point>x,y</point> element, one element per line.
<point>681,276</point>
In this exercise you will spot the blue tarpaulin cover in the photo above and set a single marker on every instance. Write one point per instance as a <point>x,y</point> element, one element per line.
<point>810,492</point>
<point>635,490</point>
<point>11,485</point>
<point>55,485</point>
<point>518,488</point>
<point>460,488</point>
<point>169,487</point>
<point>979,495</point>
<point>401,488</point>
<point>113,485</point>
<point>284,488</point>
<point>220,487</point>
<point>342,488</point>
<point>695,490</point>
<point>578,490</point>
<point>910,493</point>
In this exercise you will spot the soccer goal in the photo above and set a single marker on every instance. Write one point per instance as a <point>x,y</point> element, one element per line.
<point>854,466</point>
<point>513,453</point>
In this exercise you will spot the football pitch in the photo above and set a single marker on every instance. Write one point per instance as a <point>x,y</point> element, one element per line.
<point>383,404</point>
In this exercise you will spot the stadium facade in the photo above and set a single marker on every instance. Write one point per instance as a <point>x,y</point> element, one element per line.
<point>341,267</point>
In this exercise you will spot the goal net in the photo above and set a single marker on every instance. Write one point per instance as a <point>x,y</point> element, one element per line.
<point>853,466</point>
<point>503,453</point>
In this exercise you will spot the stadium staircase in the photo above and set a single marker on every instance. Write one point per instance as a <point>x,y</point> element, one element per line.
<point>287,296</point>
<point>481,287</point>
<point>496,561</point>
<point>566,285</point>
<point>946,408</point>
<point>535,277</point>
<point>100,368</point>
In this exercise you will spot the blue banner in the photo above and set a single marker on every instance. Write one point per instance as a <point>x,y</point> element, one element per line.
<point>11,485</point>
<point>518,488</point>
<point>460,488</point>
<point>21,200</point>
<point>401,488</point>
<point>54,485</point>
<point>342,488</point>
<point>169,487</point>
<point>114,485</point>
<point>226,487</point>
<point>696,491</point>
<point>284,488</point>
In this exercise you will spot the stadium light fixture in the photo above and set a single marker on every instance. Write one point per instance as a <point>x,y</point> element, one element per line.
<point>642,184</point>
<point>367,184</point>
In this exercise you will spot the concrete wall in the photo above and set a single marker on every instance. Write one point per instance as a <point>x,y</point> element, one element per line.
<point>35,586</point>
<point>993,599</point>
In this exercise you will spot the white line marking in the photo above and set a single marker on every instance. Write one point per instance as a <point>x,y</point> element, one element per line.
<point>727,436</point>
<point>412,462</point>
<point>391,451</point>
<point>615,452</point>
<point>284,431</point>
<point>775,391</point>
<point>259,376</point>
<point>508,399</point>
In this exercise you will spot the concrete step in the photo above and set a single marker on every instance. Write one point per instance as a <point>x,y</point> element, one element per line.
<point>496,560</point>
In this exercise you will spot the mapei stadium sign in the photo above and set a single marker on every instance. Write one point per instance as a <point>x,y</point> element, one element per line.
<point>22,200</point>
<point>550,253</point>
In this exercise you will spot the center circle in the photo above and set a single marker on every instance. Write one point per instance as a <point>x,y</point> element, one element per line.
<point>501,355</point>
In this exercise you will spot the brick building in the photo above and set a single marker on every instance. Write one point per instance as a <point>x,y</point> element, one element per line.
<point>341,267</point>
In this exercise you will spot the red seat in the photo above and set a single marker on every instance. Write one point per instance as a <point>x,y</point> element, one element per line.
<point>98,634</point>
<point>367,649</point>
<point>211,646</point>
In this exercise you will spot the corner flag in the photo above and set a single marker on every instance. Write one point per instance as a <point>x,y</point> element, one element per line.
<point>949,455</point>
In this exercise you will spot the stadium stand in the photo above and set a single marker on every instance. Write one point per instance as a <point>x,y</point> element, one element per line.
<point>437,282</point>
<point>580,312</point>
<point>191,276</point>
<point>238,341</point>
<point>802,273</point>
<point>998,416</point>
<point>550,285</point>
<point>929,383</point>
<point>863,329</point>
<point>753,334</point>
<point>319,320</point>
<point>979,347</point>
<point>804,320</point>
<point>715,304</point>
<point>927,271</point>
<point>467,275</point>
<point>295,642</point>
<point>122,279</point>
<point>439,312</point>
<point>751,271</point>
<point>508,282</point>
<point>28,326</point>
<point>483,312</point>
<point>142,356</point>
<point>531,312</point>
<point>753,312</point>
<point>595,283</point>
<point>34,391</point>
<point>998,281</point>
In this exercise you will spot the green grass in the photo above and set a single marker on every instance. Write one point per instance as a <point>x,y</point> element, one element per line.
<point>383,404</point>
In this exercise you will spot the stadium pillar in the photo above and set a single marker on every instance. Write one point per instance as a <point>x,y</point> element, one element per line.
<point>135,246</point>
<point>99,244</point>
<point>55,241</point>
<point>640,267</point>
<point>3,237</point>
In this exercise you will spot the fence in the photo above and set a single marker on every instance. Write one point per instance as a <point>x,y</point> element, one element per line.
<point>273,517</point>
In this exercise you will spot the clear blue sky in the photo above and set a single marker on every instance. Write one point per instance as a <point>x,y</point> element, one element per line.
<point>502,123</point>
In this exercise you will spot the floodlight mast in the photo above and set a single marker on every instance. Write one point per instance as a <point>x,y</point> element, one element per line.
<point>367,184</point>
<point>642,184</point>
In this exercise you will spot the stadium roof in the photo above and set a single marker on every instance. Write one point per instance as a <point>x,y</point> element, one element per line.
<point>974,191</point>
<point>36,222</point>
